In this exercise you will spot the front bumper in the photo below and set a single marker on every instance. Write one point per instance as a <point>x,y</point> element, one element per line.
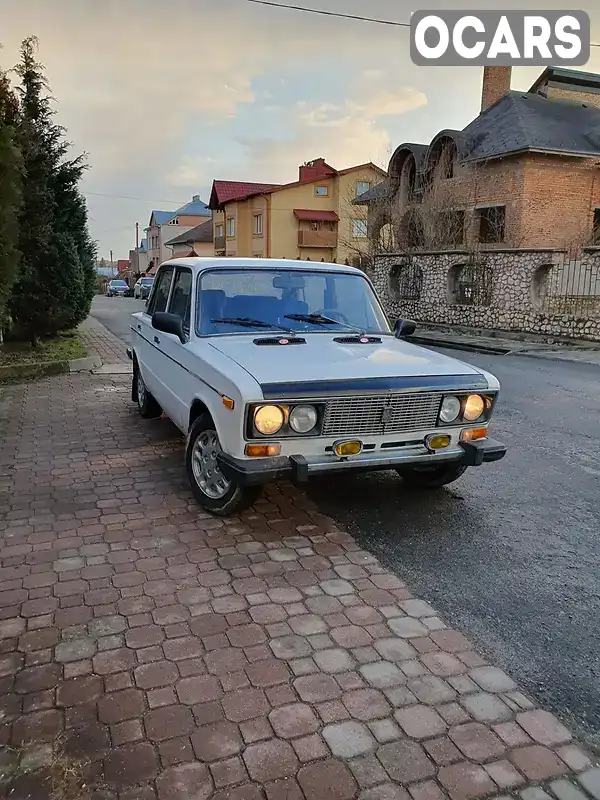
<point>250,472</point>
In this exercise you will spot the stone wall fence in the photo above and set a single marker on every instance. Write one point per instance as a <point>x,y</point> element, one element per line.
<point>541,291</point>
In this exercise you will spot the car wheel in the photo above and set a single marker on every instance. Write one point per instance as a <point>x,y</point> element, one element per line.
<point>431,477</point>
<point>147,405</point>
<point>214,492</point>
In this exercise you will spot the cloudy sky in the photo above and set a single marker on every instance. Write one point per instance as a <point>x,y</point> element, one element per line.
<point>165,96</point>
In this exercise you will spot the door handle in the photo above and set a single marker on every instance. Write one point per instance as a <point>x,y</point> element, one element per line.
<point>156,340</point>
<point>139,327</point>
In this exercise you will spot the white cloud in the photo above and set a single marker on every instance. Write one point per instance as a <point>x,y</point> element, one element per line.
<point>345,133</point>
<point>193,171</point>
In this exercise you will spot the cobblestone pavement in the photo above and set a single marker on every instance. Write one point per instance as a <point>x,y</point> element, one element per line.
<point>97,339</point>
<point>167,654</point>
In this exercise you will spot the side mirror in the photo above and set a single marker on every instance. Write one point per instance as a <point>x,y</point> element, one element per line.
<point>168,323</point>
<point>404,327</point>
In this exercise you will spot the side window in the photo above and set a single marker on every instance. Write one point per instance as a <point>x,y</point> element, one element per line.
<point>181,297</point>
<point>160,296</point>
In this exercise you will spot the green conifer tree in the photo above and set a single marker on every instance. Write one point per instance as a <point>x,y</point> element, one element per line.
<point>10,195</point>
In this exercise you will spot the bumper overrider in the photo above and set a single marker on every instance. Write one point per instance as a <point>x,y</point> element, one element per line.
<point>298,468</point>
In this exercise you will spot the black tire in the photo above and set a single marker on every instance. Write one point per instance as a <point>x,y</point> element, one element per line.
<point>431,477</point>
<point>235,498</point>
<point>147,405</point>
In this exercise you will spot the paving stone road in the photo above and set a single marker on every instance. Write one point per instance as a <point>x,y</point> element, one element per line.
<point>167,654</point>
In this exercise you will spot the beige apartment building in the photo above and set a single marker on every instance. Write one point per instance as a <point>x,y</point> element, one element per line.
<point>313,218</point>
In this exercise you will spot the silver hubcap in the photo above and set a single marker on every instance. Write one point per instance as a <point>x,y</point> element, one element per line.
<point>141,390</point>
<point>205,468</point>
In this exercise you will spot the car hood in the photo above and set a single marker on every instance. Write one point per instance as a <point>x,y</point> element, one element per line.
<point>322,359</point>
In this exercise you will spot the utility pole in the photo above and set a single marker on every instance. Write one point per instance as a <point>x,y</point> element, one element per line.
<point>112,266</point>
<point>137,248</point>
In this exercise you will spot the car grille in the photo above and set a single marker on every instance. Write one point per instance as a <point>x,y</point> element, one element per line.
<point>381,414</point>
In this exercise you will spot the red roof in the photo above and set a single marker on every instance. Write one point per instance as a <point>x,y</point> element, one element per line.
<point>228,191</point>
<point>316,216</point>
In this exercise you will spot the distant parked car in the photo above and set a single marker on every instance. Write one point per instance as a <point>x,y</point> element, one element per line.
<point>117,288</point>
<point>142,288</point>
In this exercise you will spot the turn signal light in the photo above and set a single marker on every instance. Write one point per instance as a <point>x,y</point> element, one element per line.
<point>438,441</point>
<point>262,450</point>
<point>228,402</point>
<point>351,448</point>
<point>473,433</point>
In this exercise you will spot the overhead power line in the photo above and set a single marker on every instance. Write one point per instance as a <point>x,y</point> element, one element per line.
<point>340,14</point>
<point>176,203</point>
<point>330,13</point>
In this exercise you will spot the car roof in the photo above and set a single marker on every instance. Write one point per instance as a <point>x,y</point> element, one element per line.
<point>220,262</point>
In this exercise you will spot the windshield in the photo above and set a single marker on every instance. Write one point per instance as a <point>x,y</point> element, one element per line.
<point>118,283</point>
<point>147,281</point>
<point>236,300</point>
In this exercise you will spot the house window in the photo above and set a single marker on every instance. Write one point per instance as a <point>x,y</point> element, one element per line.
<point>362,187</point>
<point>231,227</point>
<point>492,224</point>
<point>321,191</point>
<point>359,228</point>
<point>451,228</point>
<point>596,227</point>
<point>174,221</point>
<point>258,224</point>
<point>218,231</point>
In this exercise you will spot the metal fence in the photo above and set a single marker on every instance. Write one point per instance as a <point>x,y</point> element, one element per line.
<point>570,286</point>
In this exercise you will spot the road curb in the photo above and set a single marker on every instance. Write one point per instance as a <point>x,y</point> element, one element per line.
<point>44,369</point>
<point>86,364</point>
<point>452,345</point>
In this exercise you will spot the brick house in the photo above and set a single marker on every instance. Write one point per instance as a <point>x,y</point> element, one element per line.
<point>525,173</point>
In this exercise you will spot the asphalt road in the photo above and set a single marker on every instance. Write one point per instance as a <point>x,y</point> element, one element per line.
<point>511,553</point>
<point>114,313</point>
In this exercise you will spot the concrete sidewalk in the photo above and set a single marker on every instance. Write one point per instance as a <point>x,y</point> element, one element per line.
<point>150,651</point>
<point>586,353</point>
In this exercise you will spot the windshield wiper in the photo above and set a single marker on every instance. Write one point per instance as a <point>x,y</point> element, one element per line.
<point>246,322</point>
<point>319,319</point>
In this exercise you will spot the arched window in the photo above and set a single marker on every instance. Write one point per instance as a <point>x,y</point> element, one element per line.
<point>412,233</point>
<point>408,180</point>
<point>406,281</point>
<point>448,159</point>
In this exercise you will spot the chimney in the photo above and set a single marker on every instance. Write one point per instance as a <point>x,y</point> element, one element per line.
<point>313,170</point>
<point>496,83</point>
<point>196,198</point>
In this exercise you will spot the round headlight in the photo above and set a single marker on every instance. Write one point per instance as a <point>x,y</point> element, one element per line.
<point>303,419</point>
<point>474,407</point>
<point>268,419</point>
<point>450,409</point>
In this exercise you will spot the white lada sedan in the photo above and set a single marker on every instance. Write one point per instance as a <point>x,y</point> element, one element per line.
<point>289,369</point>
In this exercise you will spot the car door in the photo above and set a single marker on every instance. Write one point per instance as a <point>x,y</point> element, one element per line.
<point>147,340</point>
<point>180,366</point>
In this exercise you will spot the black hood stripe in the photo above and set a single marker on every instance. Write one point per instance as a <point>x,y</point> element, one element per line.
<point>362,386</point>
